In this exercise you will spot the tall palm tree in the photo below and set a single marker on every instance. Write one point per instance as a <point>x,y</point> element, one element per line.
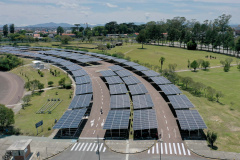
<point>162,59</point>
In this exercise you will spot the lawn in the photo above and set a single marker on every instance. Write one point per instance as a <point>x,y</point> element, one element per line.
<point>223,117</point>
<point>27,118</point>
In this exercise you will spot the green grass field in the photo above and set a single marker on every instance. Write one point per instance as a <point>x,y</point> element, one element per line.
<point>27,118</point>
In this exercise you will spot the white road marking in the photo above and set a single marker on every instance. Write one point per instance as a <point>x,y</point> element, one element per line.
<point>104,149</point>
<point>73,146</point>
<point>166,152</point>
<point>96,148</point>
<point>189,153</point>
<point>93,146</point>
<point>149,151</point>
<point>100,147</point>
<point>94,131</point>
<point>183,149</point>
<point>153,150</point>
<point>166,121</point>
<point>102,95</point>
<point>161,148</point>
<point>89,147</point>
<point>169,135</point>
<point>96,125</point>
<point>179,150</point>
<point>102,102</point>
<point>174,148</point>
<point>77,146</point>
<point>157,148</point>
<point>85,147</point>
<point>81,147</point>
<point>170,148</point>
<point>167,128</point>
<point>98,118</point>
<point>164,116</point>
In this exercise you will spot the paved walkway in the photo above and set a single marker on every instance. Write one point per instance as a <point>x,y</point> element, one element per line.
<point>200,147</point>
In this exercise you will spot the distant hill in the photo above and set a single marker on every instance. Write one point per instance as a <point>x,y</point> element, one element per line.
<point>51,25</point>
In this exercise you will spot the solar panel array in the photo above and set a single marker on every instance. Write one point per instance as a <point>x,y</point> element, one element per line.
<point>79,73</point>
<point>131,64</point>
<point>160,80</point>
<point>80,101</point>
<point>107,73</point>
<point>130,80</point>
<point>190,120</point>
<point>113,80</point>
<point>119,101</point>
<point>140,68</point>
<point>73,67</point>
<point>142,101</point>
<point>137,89</point>
<point>116,68</point>
<point>118,89</point>
<point>150,73</point>
<point>117,119</point>
<point>180,102</point>
<point>170,89</point>
<point>144,119</point>
<point>83,89</point>
<point>70,119</point>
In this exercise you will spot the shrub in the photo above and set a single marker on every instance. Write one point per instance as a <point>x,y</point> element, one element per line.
<point>67,86</point>
<point>191,45</point>
<point>49,128</point>
<point>50,83</point>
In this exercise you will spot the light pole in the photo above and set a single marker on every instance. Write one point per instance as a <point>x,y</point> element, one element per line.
<point>98,148</point>
<point>160,140</point>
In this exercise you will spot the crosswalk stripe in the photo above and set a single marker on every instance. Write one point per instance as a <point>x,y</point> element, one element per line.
<point>166,151</point>
<point>104,149</point>
<point>189,153</point>
<point>81,147</point>
<point>179,150</point>
<point>174,147</point>
<point>170,148</point>
<point>96,148</point>
<point>153,150</point>
<point>100,147</point>
<point>77,146</point>
<point>93,146</point>
<point>89,146</point>
<point>85,147</point>
<point>149,151</point>
<point>157,148</point>
<point>183,149</point>
<point>161,148</point>
<point>73,146</point>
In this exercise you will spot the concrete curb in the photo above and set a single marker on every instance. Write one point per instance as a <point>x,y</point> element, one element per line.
<point>58,152</point>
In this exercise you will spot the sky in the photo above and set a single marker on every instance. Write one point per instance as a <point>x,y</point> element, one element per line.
<point>30,12</point>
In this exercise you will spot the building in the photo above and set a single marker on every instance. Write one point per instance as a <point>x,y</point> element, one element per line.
<point>71,35</point>
<point>20,149</point>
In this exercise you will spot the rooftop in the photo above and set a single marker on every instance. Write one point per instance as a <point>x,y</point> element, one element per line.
<point>20,145</point>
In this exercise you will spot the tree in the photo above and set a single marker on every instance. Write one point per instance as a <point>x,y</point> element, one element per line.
<point>58,38</point>
<point>218,95</point>
<point>172,67</point>
<point>237,46</point>
<point>62,81</point>
<point>6,116</point>
<point>226,64</point>
<point>50,83</point>
<point>211,93</point>
<point>40,86</point>
<point>186,81</point>
<point>8,62</point>
<point>65,39</point>
<point>12,28</point>
<point>162,59</point>
<point>194,65</point>
<point>60,30</point>
<point>211,138</point>
<point>102,47</point>
<point>26,99</point>
<point>191,45</point>
<point>205,64</point>
<point>5,30</point>
<point>141,38</point>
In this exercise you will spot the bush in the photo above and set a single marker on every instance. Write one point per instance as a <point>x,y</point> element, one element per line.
<point>118,55</point>
<point>50,83</point>
<point>191,45</point>
<point>49,128</point>
<point>67,86</point>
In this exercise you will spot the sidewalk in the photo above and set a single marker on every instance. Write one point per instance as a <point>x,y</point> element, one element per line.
<point>200,147</point>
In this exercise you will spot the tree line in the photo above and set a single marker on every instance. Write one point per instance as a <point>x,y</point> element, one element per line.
<point>8,62</point>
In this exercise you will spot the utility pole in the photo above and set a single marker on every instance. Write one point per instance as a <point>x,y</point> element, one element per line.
<point>160,140</point>
<point>98,148</point>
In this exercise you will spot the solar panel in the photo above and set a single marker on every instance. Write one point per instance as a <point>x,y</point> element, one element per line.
<point>131,80</point>
<point>169,89</point>
<point>80,101</point>
<point>70,119</point>
<point>107,73</point>
<point>160,80</point>
<point>150,73</point>
<point>120,101</point>
<point>137,89</point>
<point>101,55</point>
<point>66,63</point>
<point>118,89</point>
<point>144,119</point>
<point>73,67</point>
<point>79,73</point>
<point>83,89</point>
<point>113,80</point>
<point>180,102</point>
<point>120,60</point>
<point>110,57</point>
<point>190,120</point>
<point>142,101</point>
<point>140,68</point>
<point>131,64</point>
<point>82,80</point>
<point>117,119</point>
<point>124,73</point>
<point>116,68</point>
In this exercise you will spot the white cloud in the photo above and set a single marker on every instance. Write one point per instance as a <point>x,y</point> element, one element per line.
<point>147,15</point>
<point>219,1</point>
<point>111,5</point>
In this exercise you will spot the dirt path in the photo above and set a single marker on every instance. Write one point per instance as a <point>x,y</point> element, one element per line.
<point>11,88</point>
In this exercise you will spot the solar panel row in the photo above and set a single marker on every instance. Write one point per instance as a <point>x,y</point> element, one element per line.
<point>119,101</point>
<point>144,119</point>
<point>113,80</point>
<point>83,80</point>
<point>137,89</point>
<point>118,89</point>
<point>170,89</point>
<point>180,102</point>
<point>142,101</point>
<point>80,101</point>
